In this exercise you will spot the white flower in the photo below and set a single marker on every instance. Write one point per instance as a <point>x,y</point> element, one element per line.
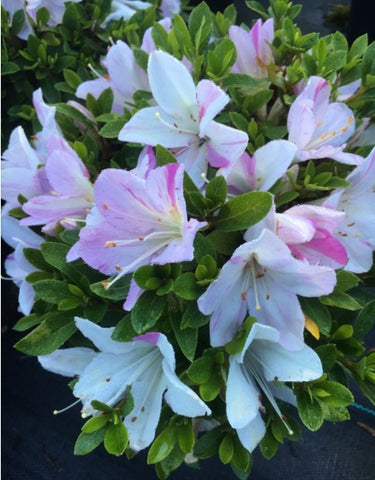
<point>147,364</point>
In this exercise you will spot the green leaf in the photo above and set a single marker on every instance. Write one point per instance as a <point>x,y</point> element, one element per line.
<point>335,60</point>
<point>65,110</point>
<point>51,291</point>
<point>339,396</point>
<point>268,445</point>
<point>163,156</point>
<point>341,300</point>
<point>318,313</point>
<point>208,443</point>
<point>368,62</point>
<point>71,78</point>
<point>217,190</point>
<point>225,242</point>
<point>27,322</point>
<point>243,211</point>
<point>201,369</point>
<point>162,445</point>
<point>211,389</point>
<point>241,457</point>
<point>42,16</point>
<point>186,437</point>
<point>187,339</point>
<point>95,423</point>
<point>112,129</point>
<point>309,410</point>
<point>358,47</point>
<point>365,320</point>
<point>241,80</point>
<point>9,68</point>
<point>116,439</point>
<point>87,442</point>
<point>183,36</point>
<point>35,257</point>
<point>193,318</point>
<point>147,311</point>
<point>346,281</point>
<point>200,26</point>
<point>226,449</point>
<point>55,254</point>
<point>327,354</point>
<point>49,335</point>
<point>186,286</point>
<point>117,291</point>
<point>124,330</point>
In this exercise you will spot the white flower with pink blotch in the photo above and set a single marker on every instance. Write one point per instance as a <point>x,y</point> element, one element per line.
<point>137,221</point>
<point>253,48</point>
<point>146,364</point>
<point>308,231</point>
<point>183,119</point>
<point>71,193</point>
<point>263,169</point>
<point>21,172</point>
<point>263,278</point>
<point>319,127</point>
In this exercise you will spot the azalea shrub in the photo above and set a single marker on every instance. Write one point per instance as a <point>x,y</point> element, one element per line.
<point>192,211</point>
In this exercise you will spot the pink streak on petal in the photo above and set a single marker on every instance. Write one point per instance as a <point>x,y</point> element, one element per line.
<point>150,337</point>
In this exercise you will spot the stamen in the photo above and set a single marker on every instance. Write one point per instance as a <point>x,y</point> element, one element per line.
<point>174,126</point>
<point>56,412</point>
<point>254,276</point>
<point>204,176</point>
<point>95,72</point>
<point>253,364</point>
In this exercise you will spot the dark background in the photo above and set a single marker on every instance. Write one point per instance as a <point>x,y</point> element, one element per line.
<point>36,445</point>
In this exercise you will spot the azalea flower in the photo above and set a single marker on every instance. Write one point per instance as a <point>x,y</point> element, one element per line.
<point>120,64</point>
<point>253,50</point>
<point>263,278</point>
<point>320,128</point>
<point>253,372</point>
<point>71,194</point>
<point>16,265</point>
<point>125,9</point>
<point>308,231</point>
<point>137,221</point>
<point>146,364</point>
<point>21,162</point>
<point>183,119</point>
<point>357,232</point>
<point>20,169</point>
<point>263,169</point>
<point>56,9</point>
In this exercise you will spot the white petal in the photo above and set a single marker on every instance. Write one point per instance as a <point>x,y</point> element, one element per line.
<point>182,399</point>
<point>68,362</point>
<point>252,434</point>
<point>242,397</point>
<point>143,419</point>
<point>101,337</point>
<point>171,84</point>
<point>287,366</point>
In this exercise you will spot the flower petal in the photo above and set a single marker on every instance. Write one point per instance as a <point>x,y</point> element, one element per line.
<point>69,362</point>
<point>171,84</point>
<point>242,397</point>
